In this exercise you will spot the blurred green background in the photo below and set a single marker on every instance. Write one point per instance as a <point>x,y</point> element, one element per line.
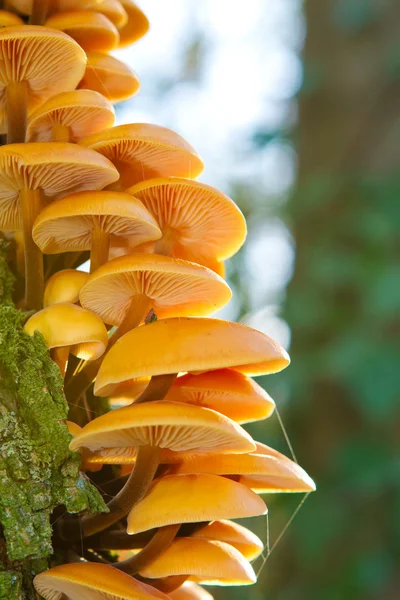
<point>295,107</point>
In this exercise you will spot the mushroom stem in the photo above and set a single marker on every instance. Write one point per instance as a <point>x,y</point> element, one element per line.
<point>60,133</point>
<point>165,244</point>
<point>100,248</point>
<point>31,202</point>
<point>158,388</point>
<point>118,540</point>
<point>166,584</point>
<point>16,94</point>
<point>40,10</point>
<point>147,461</point>
<point>160,542</point>
<point>60,357</point>
<point>138,308</point>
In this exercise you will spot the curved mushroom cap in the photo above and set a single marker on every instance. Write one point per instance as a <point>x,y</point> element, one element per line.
<point>189,344</point>
<point>66,225</point>
<point>262,473</point>
<point>198,221</point>
<point>57,169</point>
<point>166,425</point>
<point>112,9</point>
<point>70,325</point>
<point>64,286</point>
<point>83,111</point>
<point>136,27</point>
<point>234,534</point>
<point>174,287</point>
<point>109,76</point>
<point>142,150</point>
<point>87,464</point>
<point>190,591</point>
<point>9,19</point>
<point>92,30</point>
<point>210,562</point>
<point>48,60</point>
<point>92,581</point>
<point>211,498</point>
<point>227,391</point>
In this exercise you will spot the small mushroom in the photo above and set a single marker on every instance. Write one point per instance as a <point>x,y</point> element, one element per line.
<point>110,77</point>
<point>112,9</point>
<point>141,150</point>
<point>234,534</point>
<point>136,26</point>
<point>190,591</point>
<point>87,220</point>
<point>70,116</point>
<point>92,30</point>
<point>64,286</point>
<point>9,19</point>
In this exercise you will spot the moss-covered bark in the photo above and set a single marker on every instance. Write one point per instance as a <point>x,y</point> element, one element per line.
<point>37,470</point>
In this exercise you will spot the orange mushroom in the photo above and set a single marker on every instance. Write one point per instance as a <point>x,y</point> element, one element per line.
<point>136,26</point>
<point>190,591</point>
<point>142,150</point>
<point>234,534</point>
<point>41,9</point>
<point>8,19</point>
<point>92,30</point>
<point>110,77</point>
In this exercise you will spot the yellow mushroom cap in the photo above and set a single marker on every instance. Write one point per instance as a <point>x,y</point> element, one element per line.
<point>109,76</point>
<point>136,26</point>
<point>83,111</point>
<point>198,221</point>
<point>49,61</point>
<point>66,225</point>
<point>234,534</point>
<point>70,325</point>
<point>92,30</point>
<point>261,472</point>
<point>64,286</point>
<point>192,499</point>
<point>211,562</point>
<point>166,425</point>
<point>55,168</point>
<point>8,19</point>
<point>190,591</point>
<point>112,9</point>
<point>92,581</point>
<point>142,150</point>
<point>189,344</point>
<point>227,391</point>
<point>174,287</point>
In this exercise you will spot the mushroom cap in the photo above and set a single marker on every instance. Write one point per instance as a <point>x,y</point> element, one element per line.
<point>70,325</point>
<point>56,168</point>
<point>210,498</point>
<point>241,538</point>
<point>92,581</point>
<point>109,76</point>
<point>166,425</point>
<point>64,286</point>
<point>198,221</point>
<point>66,225</point>
<point>189,344</point>
<point>83,111</point>
<point>142,150</point>
<point>175,287</point>
<point>49,61</point>
<point>261,472</point>
<point>227,391</point>
<point>136,26</point>
<point>8,19</point>
<point>92,30</point>
<point>112,9</point>
<point>211,562</point>
<point>190,591</point>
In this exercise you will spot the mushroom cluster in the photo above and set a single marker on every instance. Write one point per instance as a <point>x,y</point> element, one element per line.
<point>158,389</point>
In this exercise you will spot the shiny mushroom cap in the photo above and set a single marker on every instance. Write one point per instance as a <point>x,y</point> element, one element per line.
<point>198,221</point>
<point>57,169</point>
<point>227,391</point>
<point>210,562</point>
<point>70,325</point>
<point>83,112</point>
<point>136,26</point>
<point>234,534</point>
<point>64,286</point>
<point>110,77</point>
<point>165,425</point>
<point>142,150</point>
<point>92,581</point>
<point>189,344</point>
<point>9,19</point>
<point>210,498</point>
<point>173,287</point>
<point>49,61</point>
<point>190,591</point>
<point>92,30</point>
<point>66,225</point>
